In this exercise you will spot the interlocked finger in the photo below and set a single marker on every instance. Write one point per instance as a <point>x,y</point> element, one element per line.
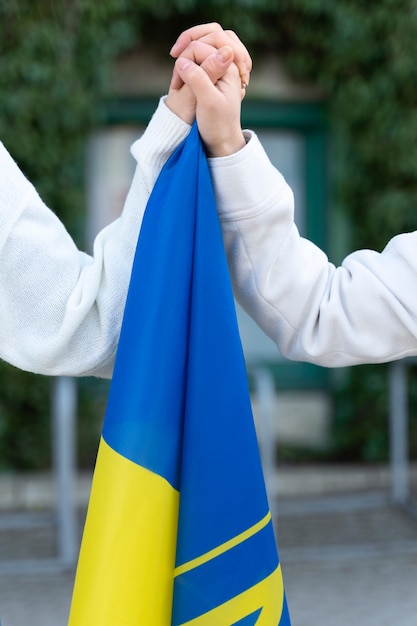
<point>214,35</point>
<point>216,61</point>
<point>218,39</point>
<point>193,34</point>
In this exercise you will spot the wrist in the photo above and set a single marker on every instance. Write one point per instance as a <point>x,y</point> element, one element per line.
<point>182,105</point>
<point>226,147</point>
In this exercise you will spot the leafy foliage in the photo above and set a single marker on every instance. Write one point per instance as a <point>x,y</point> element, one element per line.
<point>55,58</point>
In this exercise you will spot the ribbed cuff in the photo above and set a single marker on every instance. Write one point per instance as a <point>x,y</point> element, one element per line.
<point>162,136</point>
<point>245,182</point>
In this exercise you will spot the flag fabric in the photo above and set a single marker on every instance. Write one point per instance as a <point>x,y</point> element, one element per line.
<point>178,529</point>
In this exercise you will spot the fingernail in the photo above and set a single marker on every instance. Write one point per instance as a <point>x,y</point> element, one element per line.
<point>182,63</point>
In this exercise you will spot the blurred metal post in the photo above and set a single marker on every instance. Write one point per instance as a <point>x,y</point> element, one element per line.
<point>265,393</point>
<point>64,407</point>
<point>398,431</point>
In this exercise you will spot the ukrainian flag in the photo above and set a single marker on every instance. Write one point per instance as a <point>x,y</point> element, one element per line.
<point>178,530</point>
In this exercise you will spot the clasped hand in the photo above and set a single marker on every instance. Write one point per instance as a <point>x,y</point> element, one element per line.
<point>211,72</point>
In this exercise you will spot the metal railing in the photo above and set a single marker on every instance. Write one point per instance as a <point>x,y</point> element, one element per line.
<point>64,427</point>
<point>64,518</point>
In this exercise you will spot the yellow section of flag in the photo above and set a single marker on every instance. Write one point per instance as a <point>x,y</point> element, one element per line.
<point>127,558</point>
<point>270,590</point>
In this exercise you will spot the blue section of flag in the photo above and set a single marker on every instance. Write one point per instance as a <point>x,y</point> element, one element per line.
<point>250,620</point>
<point>285,617</point>
<point>209,585</point>
<point>180,383</point>
<point>156,321</point>
<point>220,431</point>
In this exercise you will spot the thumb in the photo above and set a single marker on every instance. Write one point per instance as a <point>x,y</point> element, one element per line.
<point>194,76</point>
<point>217,64</point>
<point>213,67</point>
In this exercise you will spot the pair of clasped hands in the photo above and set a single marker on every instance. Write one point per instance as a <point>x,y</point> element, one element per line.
<point>209,80</point>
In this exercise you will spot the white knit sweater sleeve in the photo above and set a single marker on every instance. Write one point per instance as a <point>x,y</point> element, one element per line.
<point>61,309</point>
<point>363,311</point>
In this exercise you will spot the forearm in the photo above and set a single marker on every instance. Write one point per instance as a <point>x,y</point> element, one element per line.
<point>363,311</point>
<point>61,310</point>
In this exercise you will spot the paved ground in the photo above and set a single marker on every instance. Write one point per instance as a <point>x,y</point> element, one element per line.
<point>348,560</point>
<point>349,564</point>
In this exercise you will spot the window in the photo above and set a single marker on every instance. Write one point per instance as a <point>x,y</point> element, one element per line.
<point>295,140</point>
